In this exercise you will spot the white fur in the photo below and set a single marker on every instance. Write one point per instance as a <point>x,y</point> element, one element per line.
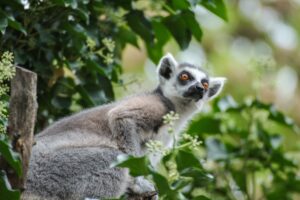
<point>185,113</point>
<point>214,81</point>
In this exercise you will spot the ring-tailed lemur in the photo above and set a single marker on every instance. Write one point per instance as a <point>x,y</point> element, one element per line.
<point>71,159</point>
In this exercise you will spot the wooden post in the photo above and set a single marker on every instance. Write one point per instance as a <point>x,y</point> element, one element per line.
<point>22,116</point>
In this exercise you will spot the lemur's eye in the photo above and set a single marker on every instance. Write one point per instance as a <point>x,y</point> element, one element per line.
<point>184,77</point>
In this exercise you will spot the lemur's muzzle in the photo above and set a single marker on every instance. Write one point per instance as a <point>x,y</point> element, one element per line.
<point>195,92</point>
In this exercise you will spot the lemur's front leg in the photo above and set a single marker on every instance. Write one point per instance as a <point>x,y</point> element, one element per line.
<point>125,133</point>
<point>125,130</point>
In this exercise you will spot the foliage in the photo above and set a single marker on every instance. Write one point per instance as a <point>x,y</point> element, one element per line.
<point>243,156</point>
<point>75,46</point>
<point>7,71</point>
<point>14,161</point>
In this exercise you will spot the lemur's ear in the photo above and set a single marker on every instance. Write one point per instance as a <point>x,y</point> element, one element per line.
<point>215,86</point>
<point>166,66</point>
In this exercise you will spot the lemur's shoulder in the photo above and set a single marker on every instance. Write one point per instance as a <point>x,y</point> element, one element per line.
<point>146,105</point>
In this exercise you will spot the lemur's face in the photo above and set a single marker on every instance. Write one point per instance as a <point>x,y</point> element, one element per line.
<point>186,81</point>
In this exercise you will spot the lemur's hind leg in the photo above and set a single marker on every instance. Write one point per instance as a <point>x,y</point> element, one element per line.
<point>76,173</point>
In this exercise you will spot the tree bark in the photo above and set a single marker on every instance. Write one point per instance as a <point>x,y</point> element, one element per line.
<point>22,116</point>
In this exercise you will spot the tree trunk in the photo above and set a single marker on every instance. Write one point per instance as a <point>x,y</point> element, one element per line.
<point>22,109</point>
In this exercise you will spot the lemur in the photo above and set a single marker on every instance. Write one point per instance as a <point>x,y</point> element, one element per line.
<point>72,157</point>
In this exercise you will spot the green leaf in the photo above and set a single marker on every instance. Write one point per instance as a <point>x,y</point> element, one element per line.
<point>84,15</point>
<point>162,35</point>
<point>59,2</point>
<point>161,183</point>
<point>279,117</point>
<point>278,157</point>
<point>200,177</point>
<point>224,104</point>
<point>85,96</point>
<point>240,179</point>
<point>201,197</point>
<point>127,36</point>
<point>61,102</point>
<point>91,64</point>
<point>186,159</point>
<point>215,6</point>
<point>155,52</point>
<point>179,29</point>
<point>180,4</point>
<point>141,25</point>
<point>11,157</point>
<point>138,166</point>
<point>204,124</point>
<point>16,25</point>
<point>161,32</point>
<point>6,192</point>
<point>274,114</point>
<point>3,24</point>
<point>72,3</point>
<point>192,23</point>
<point>181,183</point>
<point>276,141</point>
<point>215,149</point>
<point>76,30</point>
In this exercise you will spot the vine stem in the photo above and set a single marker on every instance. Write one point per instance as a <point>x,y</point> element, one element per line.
<point>175,141</point>
<point>169,9</point>
<point>253,186</point>
<point>184,145</point>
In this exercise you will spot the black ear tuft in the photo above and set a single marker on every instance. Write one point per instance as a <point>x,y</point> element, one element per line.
<point>213,90</point>
<point>166,66</point>
<point>215,86</point>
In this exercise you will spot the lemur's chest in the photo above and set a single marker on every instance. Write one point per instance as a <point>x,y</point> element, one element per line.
<point>163,135</point>
<point>166,138</point>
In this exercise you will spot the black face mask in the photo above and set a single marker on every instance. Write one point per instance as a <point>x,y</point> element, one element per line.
<point>195,92</point>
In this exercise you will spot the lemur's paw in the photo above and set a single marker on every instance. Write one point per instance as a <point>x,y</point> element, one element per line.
<point>141,185</point>
<point>144,196</point>
<point>143,189</point>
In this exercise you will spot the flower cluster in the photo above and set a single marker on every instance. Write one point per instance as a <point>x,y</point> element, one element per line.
<point>91,44</point>
<point>106,52</point>
<point>115,15</point>
<point>6,67</point>
<point>109,44</point>
<point>193,141</point>
<point>7,71</point>
<point>173,173</point>
<point>156,147</point>
<point>169,119</point>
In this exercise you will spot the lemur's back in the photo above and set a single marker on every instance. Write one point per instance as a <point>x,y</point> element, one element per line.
<point>71,155</point>
<point>75,173</point>
<point>71,158</point>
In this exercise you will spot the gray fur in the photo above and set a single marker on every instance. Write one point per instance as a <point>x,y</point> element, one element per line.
<point>71,158</point>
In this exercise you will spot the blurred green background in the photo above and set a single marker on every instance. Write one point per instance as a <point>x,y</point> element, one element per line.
<point>91,52</point>
<point>257,50</point>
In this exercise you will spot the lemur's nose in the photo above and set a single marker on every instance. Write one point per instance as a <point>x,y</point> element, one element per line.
<point>198,88</point>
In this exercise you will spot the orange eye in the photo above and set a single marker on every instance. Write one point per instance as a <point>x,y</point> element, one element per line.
<point>205,85</point>
<point>184,77</point>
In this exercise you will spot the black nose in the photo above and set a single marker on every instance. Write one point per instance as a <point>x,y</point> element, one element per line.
<point>198,88</point>
<point>195,91</point>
